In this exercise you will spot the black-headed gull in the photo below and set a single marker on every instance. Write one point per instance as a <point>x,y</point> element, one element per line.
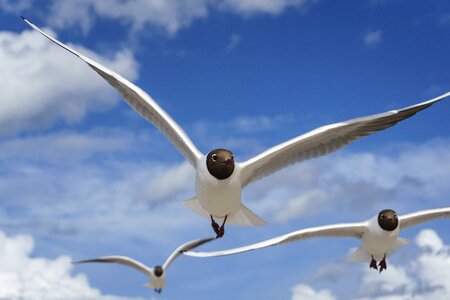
<point>157,274</point>
<point>219,179</point>
<point>379,236</point>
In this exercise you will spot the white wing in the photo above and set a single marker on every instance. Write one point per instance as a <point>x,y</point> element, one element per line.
<point>124,260</point>
<point>423,216</point>
<point>324,140</point>
<point>141,102</point>
<point>338,230</point>
<point>185,247</point>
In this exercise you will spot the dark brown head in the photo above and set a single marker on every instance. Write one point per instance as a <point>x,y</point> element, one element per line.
<point>220,163</point>
<point>158,271</point>
<point>387,219</point>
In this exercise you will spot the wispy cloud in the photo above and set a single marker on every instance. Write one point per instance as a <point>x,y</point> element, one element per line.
<point>161,16</point>
<point>233,42</point>
<point>358,182</point>
<point>373,38</point>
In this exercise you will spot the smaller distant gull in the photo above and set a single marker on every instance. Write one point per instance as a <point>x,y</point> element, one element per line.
<point>157,274</point>
<point>219,178</point>
<point>379,236</point>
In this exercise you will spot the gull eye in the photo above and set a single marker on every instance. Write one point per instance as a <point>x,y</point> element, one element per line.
<point>214,157</point>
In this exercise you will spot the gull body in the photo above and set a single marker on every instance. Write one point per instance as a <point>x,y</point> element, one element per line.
<point>219,181</point>
<point>379,236</point>
<point>157,274</point>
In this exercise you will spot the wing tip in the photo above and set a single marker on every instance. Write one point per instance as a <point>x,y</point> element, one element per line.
<point>26,20</point>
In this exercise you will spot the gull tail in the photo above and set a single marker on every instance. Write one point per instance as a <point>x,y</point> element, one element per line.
<point>242,217</point>
<point>360,255</point>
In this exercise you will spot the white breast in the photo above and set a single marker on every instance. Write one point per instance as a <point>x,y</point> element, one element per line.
<point>218,197</point>
<point>378,242</point>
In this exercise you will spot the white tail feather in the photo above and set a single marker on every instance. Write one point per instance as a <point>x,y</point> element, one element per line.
<point>195,205</point>
<point>360,255</point>
<point>245,217</point>
<point>242,217</point>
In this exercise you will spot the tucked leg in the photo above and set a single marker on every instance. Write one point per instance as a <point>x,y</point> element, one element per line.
<point>222,228</point>
<point>382,264</point>
<point>214,225</point>
<point>373,264</point>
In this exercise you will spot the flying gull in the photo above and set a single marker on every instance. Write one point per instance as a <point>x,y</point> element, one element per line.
<point>219,178</point>
<point>379,236</point>
<point>157,274</point>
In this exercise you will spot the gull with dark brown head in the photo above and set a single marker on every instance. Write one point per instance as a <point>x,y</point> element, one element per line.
<point>219,178</point>
<point>157,274</point>
<point>379,236</point>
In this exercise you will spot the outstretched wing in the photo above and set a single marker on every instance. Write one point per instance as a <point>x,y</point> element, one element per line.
<point>423,216</point>
<point>185,247</point>
<point>339,230</point>
<point>141,102</point>
<point>324,140</point>
<point>123,260</point>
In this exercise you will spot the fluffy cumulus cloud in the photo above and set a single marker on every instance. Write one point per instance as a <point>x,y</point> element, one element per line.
<point>23,276</point>
<point>168,16</point>
<point>302,291</point>
<point>423,276</point>
<point>37,88</point>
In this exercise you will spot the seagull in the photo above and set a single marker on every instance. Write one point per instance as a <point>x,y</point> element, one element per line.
<point>379,236</point>
<point>219,178</point>
<point>157,274</point>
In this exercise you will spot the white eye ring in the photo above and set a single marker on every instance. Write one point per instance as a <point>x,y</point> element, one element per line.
<point>214,157</point>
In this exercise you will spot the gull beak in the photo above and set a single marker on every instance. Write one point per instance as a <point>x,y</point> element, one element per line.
<point>229,161</point>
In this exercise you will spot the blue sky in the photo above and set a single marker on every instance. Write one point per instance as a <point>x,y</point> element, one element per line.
<point>82,175</point>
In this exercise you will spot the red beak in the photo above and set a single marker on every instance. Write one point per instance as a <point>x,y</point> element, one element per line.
<point>229,161</point>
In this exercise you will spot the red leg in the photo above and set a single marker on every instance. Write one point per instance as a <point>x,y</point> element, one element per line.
<point>214,225</point>
<point>222,228</point>
<point>373,264</point>
<point>382,264</point>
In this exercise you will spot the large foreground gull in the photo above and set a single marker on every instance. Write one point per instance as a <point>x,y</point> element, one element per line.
<point>219,179</point>
<point>379,236</point>
<point>157,274</point>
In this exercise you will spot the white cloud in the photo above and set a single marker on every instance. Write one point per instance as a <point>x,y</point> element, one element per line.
<point>373,38</point>
<point>301,205</point>
<point>233,42</point>
<point>37,88</point>
<point>423,276</point>
<point>167,16</point>
<point>69,179</point>
<point>360,181</point>
<point>273,7</point>
<point>14,6</point>
<point>302,291</point>
<point>429,239</point>
<point>23,276</point>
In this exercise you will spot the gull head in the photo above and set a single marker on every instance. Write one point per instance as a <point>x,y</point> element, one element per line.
<point>388,220</point>
<point>220,163</point>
